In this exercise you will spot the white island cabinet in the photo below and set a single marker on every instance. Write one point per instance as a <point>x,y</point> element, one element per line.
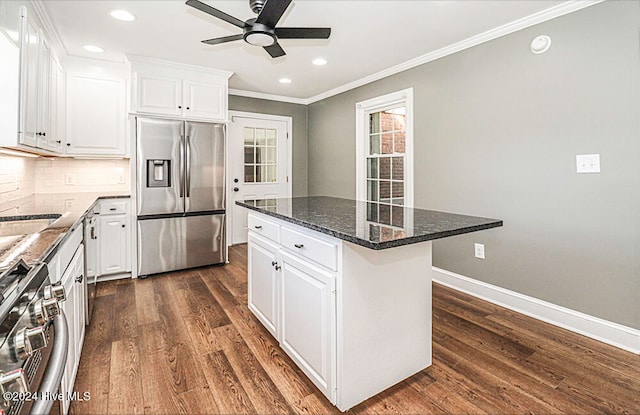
<point>349,300</point>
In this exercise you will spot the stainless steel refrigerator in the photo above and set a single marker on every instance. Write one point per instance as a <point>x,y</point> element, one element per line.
<point>180,194</point>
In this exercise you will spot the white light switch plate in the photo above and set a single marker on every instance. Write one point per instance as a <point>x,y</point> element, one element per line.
<point>479,250</point>
<point>588,163</point>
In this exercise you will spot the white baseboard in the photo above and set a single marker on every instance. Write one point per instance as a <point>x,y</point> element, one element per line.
<point>617,335</point>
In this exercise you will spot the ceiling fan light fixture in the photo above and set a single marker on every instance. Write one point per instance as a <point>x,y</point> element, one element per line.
<point>260,39</point>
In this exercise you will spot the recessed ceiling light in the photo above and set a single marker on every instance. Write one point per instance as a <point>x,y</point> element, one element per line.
<point>93,49</point>
<point>319,62</point>
<point>123,15</point>
<point>540,44</point>
<point>284,80</point>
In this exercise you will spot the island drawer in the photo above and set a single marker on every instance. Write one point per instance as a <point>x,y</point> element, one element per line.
<point>323,252</point>
<point>112,207</point>
<point>264,227</point>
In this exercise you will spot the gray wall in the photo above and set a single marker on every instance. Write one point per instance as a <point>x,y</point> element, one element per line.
<point>299,129</point>
<point>496,133</point>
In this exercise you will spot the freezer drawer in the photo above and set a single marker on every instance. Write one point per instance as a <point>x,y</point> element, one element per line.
<point>170,244</point>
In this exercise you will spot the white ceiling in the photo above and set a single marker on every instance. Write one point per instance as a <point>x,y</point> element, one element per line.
<point>367,36</point>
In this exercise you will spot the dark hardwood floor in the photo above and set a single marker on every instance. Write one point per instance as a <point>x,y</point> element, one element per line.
<point>186,343</point>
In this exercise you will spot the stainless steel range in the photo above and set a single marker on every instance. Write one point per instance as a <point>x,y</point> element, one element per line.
<point>33,340</point>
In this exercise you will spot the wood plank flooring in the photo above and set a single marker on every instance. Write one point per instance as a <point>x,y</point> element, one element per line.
<point>186,343</point>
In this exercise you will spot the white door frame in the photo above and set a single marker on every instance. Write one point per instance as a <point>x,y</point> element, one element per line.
<point>257,116</point>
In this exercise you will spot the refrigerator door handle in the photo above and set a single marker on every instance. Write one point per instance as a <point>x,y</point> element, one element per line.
<point>188,172</point>
<point>181,162</point>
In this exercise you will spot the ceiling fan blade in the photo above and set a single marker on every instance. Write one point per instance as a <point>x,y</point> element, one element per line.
<point>215,12</point>
<point>225,39</point>
<point>275,50</point>
<point>303,32</point>
<point>272,11</point>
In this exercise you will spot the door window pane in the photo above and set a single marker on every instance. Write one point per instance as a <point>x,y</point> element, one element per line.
<point>260,155</point>
<point>249,176</point>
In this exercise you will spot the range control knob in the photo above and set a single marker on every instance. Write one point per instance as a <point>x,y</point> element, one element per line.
<point>28,341</point>
<point>14,381</point>
<point>46,309</point>
<point>55,291</point>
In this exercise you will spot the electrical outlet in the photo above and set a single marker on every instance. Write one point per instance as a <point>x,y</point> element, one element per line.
<point>69,179</point>
<point>588,163</point>
<point>121,179</point>
<point>479,250</point>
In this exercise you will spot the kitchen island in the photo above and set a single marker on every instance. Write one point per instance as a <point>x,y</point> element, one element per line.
<point>345,287</point>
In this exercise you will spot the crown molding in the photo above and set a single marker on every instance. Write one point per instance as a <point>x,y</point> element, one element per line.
<point>54,37</point>
<point>270,97</point>
<point>144,60</point>
<point>536,18</point>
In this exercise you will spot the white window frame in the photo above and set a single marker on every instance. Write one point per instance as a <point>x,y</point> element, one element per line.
<point>363,109</point>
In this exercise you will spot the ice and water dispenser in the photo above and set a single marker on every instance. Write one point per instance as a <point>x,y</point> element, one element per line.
<point>158,173</point>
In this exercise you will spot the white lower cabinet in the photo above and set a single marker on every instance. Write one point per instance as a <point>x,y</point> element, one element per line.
<point>74,310</point>
<point>294,298</point>
<point>115,255</point>
<point>307,325</point>
<point>356,321</point>
<point>263,283</point>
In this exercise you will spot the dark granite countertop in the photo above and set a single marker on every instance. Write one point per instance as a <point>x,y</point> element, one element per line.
<point>369,224</point>
<point>64,210</point>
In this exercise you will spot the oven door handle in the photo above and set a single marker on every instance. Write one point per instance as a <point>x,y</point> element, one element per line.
<point>55,367</point>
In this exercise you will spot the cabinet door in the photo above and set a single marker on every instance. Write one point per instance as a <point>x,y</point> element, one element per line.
<point>204,100</point>
<point>57,125</point>
<point>308,326</point>
<point>263,281</point>
<point>114,245</point>
<point>74,309</point>
<point>158,95</point>
<point>29,82</point>
<point>96,115</point>
<point>44,74</point>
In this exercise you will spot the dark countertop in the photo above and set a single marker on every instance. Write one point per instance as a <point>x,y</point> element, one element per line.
<point>370,225</point>
<point>66,210</point>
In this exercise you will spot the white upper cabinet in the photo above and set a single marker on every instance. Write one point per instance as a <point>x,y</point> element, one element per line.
<point>38,102</point>
<point>29,82</point>
<point>96,97</point>
<point>177,90</point>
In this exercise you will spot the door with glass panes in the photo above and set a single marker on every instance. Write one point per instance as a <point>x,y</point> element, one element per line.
<point>258,167</point>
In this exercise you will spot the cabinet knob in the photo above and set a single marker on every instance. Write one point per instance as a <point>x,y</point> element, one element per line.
<point>44,134</point>
<point>59,141</point>
<point>299,246</point>
<point>79,278</point>
<point>274,263</point>
<point>188,108</point>
<point>123,226</point>
<point>68,144</point>
<point>179,107</point>
<point>257,226</point>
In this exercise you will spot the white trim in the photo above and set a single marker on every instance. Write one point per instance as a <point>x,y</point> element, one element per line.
<point>270,97</point>
<point>256,116</point>
<point>50,28</point>
<point>615,334</point>
<point>534,19</point>
<point>378,103</point>
<point>138,60</point>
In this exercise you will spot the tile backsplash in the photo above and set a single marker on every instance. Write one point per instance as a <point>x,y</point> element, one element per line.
<point>20,176</point>
<point>71,176</point>
<point>17,177</point>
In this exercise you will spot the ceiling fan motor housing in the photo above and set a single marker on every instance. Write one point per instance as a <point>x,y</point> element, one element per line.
<point>258,34</point>
<point>257,5</point>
